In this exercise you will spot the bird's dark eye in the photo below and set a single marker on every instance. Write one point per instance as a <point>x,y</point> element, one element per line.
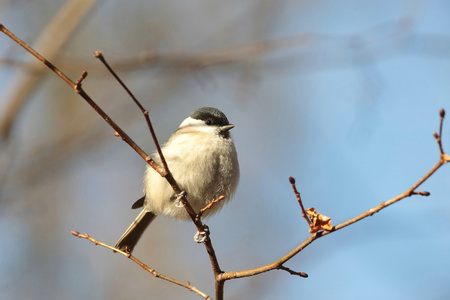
<point>209,122</point>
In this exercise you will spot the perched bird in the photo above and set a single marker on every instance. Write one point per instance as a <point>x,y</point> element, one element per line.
<point>202,158</point>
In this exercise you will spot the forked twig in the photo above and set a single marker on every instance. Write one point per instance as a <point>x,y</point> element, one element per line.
<point>140,263</point>
<point>210,205</point>
<point>444,158</point>
<point>165,172</point>
<point>85,96</point>
<point>62,25</point>
<point>167,175</point>
<point>99,55</point>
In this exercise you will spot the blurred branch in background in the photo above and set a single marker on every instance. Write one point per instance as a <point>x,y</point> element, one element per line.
<point>143,265</point>
<point>318,51</point>
<point>381,41</point>
<point>59,29</point>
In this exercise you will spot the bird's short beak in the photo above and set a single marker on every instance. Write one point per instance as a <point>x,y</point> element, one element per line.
<point>226,127</point>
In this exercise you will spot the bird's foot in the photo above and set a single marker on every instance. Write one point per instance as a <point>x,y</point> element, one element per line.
<point>200,237</point>
<point>178,202</point>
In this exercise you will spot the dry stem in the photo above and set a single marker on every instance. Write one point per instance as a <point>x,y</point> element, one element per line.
<point>143,265</point>
<point>210,205</point>
<point>279,264</point>
<point>299,199</point>
<point>145,112</point>
<point>52,38</point>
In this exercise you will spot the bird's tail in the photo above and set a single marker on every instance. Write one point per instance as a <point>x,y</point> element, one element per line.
<point>131,236</point>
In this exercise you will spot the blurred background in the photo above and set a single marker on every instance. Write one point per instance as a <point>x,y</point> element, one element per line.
<point>342,95</point>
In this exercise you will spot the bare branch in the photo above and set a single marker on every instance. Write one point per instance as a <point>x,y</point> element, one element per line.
<point>210,205</point>
<point>77,87</point>
<point>50,41</point>
<point>99,55</point>
<point>301,274</point>
<point>299,199</point>
<point>422,193</point>
<point>140,263</point>
<point>444,158</point>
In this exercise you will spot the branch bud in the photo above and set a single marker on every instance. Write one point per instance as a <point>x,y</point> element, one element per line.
<point>291,180</point>
<point>442,113</point>
<point>98,54</point>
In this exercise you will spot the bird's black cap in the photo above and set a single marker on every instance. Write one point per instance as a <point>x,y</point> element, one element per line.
<point>210,114</point>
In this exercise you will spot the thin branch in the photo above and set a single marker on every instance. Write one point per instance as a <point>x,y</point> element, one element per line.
<point>421,193</point>
<point>439,138</point>
<point>299,199</point>
<point>292,272</point>
<point>444,158</point>
<point>85,96</point>
<point>50,41</point>
<point>140,263</point>
<point>210,205</point>
<point>83,76</point>
<point>99,55</point>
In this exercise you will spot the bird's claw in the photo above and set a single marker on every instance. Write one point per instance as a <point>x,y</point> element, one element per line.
<point>178,202</point>
<point>200,237</point>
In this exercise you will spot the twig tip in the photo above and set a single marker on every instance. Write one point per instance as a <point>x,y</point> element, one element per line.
<point>75,233</point>
<point>77,86</point>
<point>214,201</point>
<point>291,180</point>
<point>98,54</point>
<point>421,193</point>
<point>442,113</point>
<point>445,157</point>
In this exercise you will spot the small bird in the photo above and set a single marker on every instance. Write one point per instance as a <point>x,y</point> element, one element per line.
<point>202,158</point>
